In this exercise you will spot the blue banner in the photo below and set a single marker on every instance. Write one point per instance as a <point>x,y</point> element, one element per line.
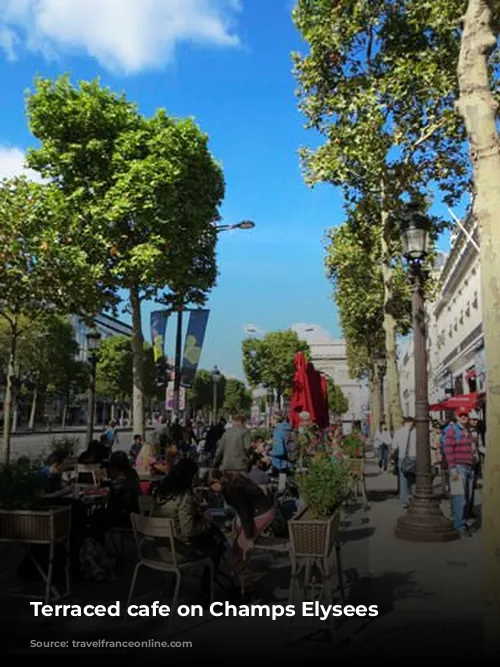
<point>192,347</point>
<point>158,329</point>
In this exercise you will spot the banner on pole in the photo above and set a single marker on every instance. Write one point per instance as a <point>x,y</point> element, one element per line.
<point>158,329</point>
<point>193,345</point>
<point>169,399</point>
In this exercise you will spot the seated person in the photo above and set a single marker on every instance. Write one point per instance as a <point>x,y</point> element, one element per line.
<point>258,470</point>
<point>124,491</point>
<point>95,454</point>
<point>135,448</point>
<point>195,534</point>
<point>255,514</point>
<point>51,479</point>
<point>147,463</point>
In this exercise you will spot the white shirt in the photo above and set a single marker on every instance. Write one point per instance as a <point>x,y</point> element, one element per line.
<point>383,438</point>
<point>401,442</point>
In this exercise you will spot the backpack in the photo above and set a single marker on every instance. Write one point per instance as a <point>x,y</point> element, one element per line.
<point>443,435</point>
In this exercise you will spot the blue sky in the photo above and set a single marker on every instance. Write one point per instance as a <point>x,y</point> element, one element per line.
<point>227,63</point>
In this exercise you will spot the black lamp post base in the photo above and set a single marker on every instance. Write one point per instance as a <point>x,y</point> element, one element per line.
<point>424,522</point>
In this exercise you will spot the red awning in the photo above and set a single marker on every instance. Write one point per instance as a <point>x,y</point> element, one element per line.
<point>468,401</point>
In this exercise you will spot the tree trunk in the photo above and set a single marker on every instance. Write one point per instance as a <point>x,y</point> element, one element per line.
<point>376,408</point>
<point>138,363</point>
<point>64,413</point>
<point>395,416</point>
<point>15,415</point>
<point>9,393</point>
<point>479,111</point>
<point>34,406</point>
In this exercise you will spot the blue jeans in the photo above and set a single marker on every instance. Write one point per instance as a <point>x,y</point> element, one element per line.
<point>460,502</point>
<point>383,456</point>
<point>405,485</point>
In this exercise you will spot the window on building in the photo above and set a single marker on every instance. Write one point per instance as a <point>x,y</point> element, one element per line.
<point>458,385</point>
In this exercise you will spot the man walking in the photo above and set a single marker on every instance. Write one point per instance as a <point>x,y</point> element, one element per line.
<point>459,452</point>
<point>405,442</point>
<point>233,447</point>
<point>383,442</point>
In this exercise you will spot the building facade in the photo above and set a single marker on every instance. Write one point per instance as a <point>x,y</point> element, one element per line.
<point>106,325</point>
<point>456,353</point>
<point>455,342</point>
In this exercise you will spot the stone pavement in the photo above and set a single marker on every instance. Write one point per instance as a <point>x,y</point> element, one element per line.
<point>411,584</point>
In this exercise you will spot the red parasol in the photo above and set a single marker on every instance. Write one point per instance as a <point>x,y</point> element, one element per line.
<point>301,397</point>
<point>326,409</point>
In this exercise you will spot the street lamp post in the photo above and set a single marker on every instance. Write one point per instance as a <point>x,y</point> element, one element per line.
<point>93,338</point>
<point>424,521</point>
<point>216,376</point>
<point>244,225</point>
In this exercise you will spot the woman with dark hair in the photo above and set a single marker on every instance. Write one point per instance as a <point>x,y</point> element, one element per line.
<point>95,454</point>
<point>124,491</point>
<point>195,534</point>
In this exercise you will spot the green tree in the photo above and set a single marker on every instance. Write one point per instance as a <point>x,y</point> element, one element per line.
<point>201,396</point>
<point>114,369</point>
<point>337,402</point>
<point>366,62</point>
<point>237,398</point>
<point>149,186</point>
<point>270,361</point>
<point>43,268</point>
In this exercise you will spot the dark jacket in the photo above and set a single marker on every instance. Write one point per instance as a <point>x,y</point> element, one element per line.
<point>248,500</point>
<point>123,500</point>
<point>214,434</point>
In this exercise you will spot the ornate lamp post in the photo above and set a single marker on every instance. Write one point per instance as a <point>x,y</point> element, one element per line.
<point>424,521</point>
<point>216,377</point>
<point>93,338</point>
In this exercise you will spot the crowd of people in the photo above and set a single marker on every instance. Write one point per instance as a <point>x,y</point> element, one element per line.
<point>456,448</point>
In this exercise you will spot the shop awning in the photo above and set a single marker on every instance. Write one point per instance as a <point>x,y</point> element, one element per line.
<point>468,401</point>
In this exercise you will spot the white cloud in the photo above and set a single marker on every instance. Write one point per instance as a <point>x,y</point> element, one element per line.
<point>12,164</point>
<point>125,36</point>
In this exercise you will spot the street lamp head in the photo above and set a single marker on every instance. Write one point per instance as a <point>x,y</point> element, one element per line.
<point>244,224</point>
<point>93,338</point>
<point>216,374</point>
<point>414,228</point>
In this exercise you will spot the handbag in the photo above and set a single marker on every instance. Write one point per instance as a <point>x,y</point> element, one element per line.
<point>408,465</point>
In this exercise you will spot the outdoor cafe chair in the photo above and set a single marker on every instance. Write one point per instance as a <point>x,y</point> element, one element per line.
<point>152,554</point>
<point>146,504</point>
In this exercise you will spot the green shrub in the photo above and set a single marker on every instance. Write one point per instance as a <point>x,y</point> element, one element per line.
<point>20,485</point>
<point>353,446</point>
<point>325,486</point>
<point>264,433</point>
<point>66,448</point>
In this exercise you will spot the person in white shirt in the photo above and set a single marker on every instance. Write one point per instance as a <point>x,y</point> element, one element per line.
<point>405,441</point>
<point>383,442</point>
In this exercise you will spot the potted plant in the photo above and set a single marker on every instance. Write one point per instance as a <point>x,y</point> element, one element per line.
<point>324,488</point>
<point>22,519</point>
<point>353,446</point>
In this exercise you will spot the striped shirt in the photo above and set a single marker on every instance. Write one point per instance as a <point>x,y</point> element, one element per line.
<point>458,451</point>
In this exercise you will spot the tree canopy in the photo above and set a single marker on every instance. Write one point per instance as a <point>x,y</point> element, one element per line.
<point>270,361</point>
<point>237,398</point>
<point>149,191</point>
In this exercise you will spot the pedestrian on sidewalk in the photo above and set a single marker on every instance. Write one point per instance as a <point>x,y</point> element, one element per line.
<point>459,452</point>
<point>405,441</point>
<point>383,443</point>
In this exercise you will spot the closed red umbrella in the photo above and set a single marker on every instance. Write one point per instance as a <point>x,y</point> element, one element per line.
<point>317,395</point>
<point>301,396</point>
<point>326,409</point>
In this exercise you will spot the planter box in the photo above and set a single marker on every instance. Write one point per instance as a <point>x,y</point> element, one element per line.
<point>311,537</point>
<point>356,466</point>
<point>43,526</point>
